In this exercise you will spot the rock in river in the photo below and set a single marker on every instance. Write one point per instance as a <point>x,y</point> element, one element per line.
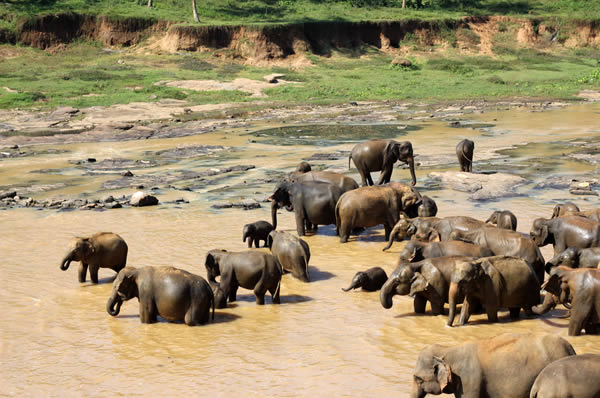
<point>140,199</point>
<point>481,186</point>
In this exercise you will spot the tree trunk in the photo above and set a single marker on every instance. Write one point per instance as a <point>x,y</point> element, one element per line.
<point>403,3</point>
<point>149,3</point>
<point>195,11</point>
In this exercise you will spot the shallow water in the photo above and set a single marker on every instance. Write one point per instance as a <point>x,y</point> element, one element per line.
<point>57,339</point>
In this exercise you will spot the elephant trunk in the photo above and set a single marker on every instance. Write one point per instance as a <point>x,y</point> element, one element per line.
<point>388,290</point>
<point>489,220</point>
<point>417,391</point>
<point>548,304</point>
<point>110,304</point>
<point>390,241</point>
<point>274,208</point>
<point>245,236</point>
<point>452,296</point>
<point>64,265</point>
<point>411,164</point>
<point>353,285</point>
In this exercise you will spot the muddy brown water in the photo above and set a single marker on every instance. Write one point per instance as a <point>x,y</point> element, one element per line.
<point>56,338</point>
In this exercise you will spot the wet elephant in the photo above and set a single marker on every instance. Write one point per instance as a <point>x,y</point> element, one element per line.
<point>172,293</point>
<point>564,209</point>
<point>291,252</point>
<point>566,231</point>
<point>370,206</point>
<point>416,251</point>
<point>503,219</point>
<point>312,202</point>
<point>496,282</point>
<point>426,280</point>
<point>341,181</point>
<point>101,250</point>
<point>252,270</point>
<point>427,208</point>
<point>592,214</point>
<point>464,152</point>
<point>573,376</point>
<point>380,155</point>
<point>576,258</point>
<point>255,232</point>
<point>303,167</point>
<point>498,367</point>
<point>370,280</point>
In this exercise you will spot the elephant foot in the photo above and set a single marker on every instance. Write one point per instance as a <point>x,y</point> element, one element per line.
<point>514,313</point>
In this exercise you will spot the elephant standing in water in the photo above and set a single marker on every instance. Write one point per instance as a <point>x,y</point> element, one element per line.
<point>566,231</point>
<point>576,258</point>
<point>416,251</point>
<point>172,293</point>
<point>341,181</point>
<point>292,253</point>
<point>464,152</point>
<point>101,250</point>
<point>380,155</point>
<point>564,209</point>
<point>503,219</point>
<point>255,232</point>
<point>370,280</point>
<point>573,376</point>
<point>500,367</point>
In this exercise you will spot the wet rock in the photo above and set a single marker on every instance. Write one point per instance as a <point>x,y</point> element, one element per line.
<point>108,199</point>
<point>481,186</point>
<point>191,151</point>
<point>337,155</point>
<point>140,199</point>
<point>64,112</point>
<point>403,62</point>
<point>10,194</point>
<point>565,182</point>
<point>115,205</point>
<point>247,204</point>
<point>273,77</point>
<point>127,174</point>
<point>582,188</point>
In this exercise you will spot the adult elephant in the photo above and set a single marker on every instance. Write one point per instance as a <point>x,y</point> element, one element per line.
<point>564,209</point>
<point>312,202</point>
<point>582,288</point>
<point>416,251</point>
<point>503,242</point>
<point>576,258</point>
<point>566,231</point>
<point>496,282</point>
<point>172,293</point>
<point>592,214</point>
<point>380,155</point>
<point>101,250</point>
<point>574,377</point>
<point>503,219</point>
<point>370,206</point>
<point>291,252</point>
<point>426,280</point>
<point>498,367</point>
<point>464,152</point>
<point>341,181</point>
<point>252,270</point>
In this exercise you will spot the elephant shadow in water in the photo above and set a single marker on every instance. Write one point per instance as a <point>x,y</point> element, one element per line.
<point>108,279</point>
<point>318,275</point>
<point>220,317</point>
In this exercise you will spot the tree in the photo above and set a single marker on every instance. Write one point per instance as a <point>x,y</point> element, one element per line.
<point>403,3</point>
<point>195,11</point>
<point>149,3</point>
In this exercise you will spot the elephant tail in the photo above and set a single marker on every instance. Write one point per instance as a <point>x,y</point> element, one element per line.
<point>337,217</point>
<point>349,159</point>
<point>213,306</point>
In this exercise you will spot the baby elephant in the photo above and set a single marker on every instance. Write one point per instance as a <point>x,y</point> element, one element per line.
<point>255,232</point>
<point>370,280</point>
<point>101,250</point>
<point>172,293</point>
<point>253,270</point>
<point>464,152</point>
<point>291,252</point>
<point>503,219</point>
<point>576,258</point>
<point>573,376</point>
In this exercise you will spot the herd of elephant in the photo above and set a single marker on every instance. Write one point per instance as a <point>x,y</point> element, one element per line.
<point>483,265</point>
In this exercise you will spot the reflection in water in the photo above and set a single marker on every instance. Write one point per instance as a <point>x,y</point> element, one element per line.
<point>56,336</point>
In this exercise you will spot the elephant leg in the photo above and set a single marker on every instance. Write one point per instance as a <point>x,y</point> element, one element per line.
<point>233,291</point>
<point>256,242</point>
<point>82,271</point>
<point>196,315</point>
<point>419,304</point>
<point>465,312</point>
<point>249,242</point>
<point>148,312</point>
<point>492,313</point>
<point>387,230</point>
<point>94,273</point>
<point>514,312</point>
<point>437,308</point>
<point>580,312</point>
<point>528,311</point>
<point>590,327</point>
<point>259,292</point>
<point>300,219</point>
<point>275,294</point>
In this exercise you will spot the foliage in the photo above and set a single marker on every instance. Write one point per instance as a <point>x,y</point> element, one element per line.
<point>591,77</point>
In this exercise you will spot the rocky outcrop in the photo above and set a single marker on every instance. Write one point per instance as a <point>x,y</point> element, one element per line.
<point>481,186</point>
<point>141,199</point>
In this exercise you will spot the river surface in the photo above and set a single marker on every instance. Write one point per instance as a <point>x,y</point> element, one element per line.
<point>56,338</point>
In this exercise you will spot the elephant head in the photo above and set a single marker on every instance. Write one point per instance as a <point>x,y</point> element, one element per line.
<point>493,219</point>
<point>402,151</point>
<point>403,229</point>
<point>359,280</point>
<point>558,285</point>
<point>427,233</point>
<point>248,232</point>
<point>427,208</point>
<point>539,232</point>
<point>124,288</point>
<point>303,167</point>
<point>281,198</point>
<point>432,374</point>
<point>561,210</point>
<point>412,252</point>
<point>403,281</point>
<point>81,249</point>
<point>466,276</point>
<point>569,258</point>
<point>213,258</point>
<point>219,295</point>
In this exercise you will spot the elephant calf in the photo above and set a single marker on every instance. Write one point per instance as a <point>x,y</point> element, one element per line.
<point>416,251</point>
<point>576,258</point>
<point>464,152</point>
<point>255,232</point>
<point>172,293</point>
<point>291,252</point>
<point>503,219</point>
<point>370,280</point>
<point>573,376</point>
<point>253,270</point>
<point>101,250</point>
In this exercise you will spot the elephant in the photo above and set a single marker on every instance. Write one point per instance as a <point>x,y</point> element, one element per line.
<point>380,155</point>
<point>576,258</point>
<point>101,250</point>
<point>220,298</point>
<point>255,232</point>
<point>312,202</point>
<point>303,167</point>
<point>496,282</point>
<point>464,152</point>
<point>573,376</point>
<point>426,280</point>
<point>592,214</point>
<point>580,286</point>
<point>502,366</point>
<point>370,206</point>
<point>254,270</point>
<point>370,280</point>
<point>503,242</point>
<point>564,232</point>
<point>172,293</point>
<point>564,209</point>
<point>292,253</point>
<point>416,251</point>
<point>427,208</point>
<point>503,219</point>
<point>345,183</point>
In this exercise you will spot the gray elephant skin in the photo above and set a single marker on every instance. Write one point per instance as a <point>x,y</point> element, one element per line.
<point>416,251</point>
<point>312,202</point>
<point>172,293</point>
<point>370,206</point>
<point>255,232</point>
<point>339,180</point>
<point>499,367</point>
<point>292,253</point>
<point>464,152</point>
<point>380,155</point>
<point>101,250</point>
<point>503,219</point>
<point>564,232</point>
<point>426,280</point>
<point>564,209</point>
<point>496,282</point>
<point>573,376</point>
<point>427,208</point>
<point>576,258</point>
<point>252,270</point>
<point>370,280</point>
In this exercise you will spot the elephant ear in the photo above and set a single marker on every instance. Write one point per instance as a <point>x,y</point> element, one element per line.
<point>88,247</point>
<point>270,239</point>
<point>556,212</point>
<point>388,153</point>
<point>410,199</point>
<point>442,372</point>
<point>418,284</point>
<point>552,285</point>
<point>434,236</point>
<point>543,233</point>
